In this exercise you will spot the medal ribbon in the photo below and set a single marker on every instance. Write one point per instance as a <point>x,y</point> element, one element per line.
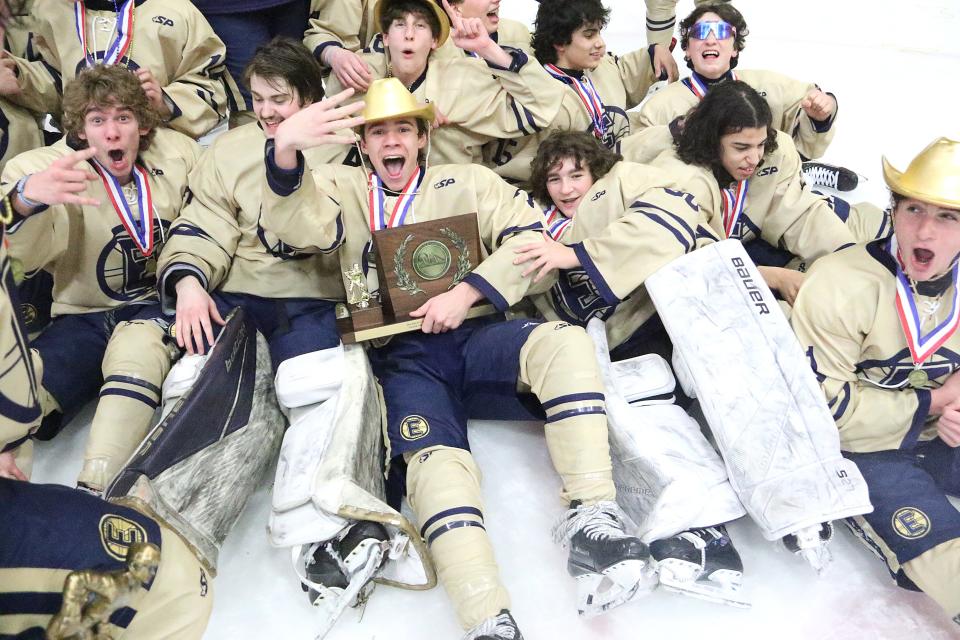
<point>922,346</point>
<point>141,231</point>
<point>400,209</point>
<point>588,96</point>
<point>556,223</point>
<point>733,202</point>
<point>698,87</point>
<point>124,29</point>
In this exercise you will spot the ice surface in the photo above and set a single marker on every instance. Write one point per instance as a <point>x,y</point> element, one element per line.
<point>893,66</point>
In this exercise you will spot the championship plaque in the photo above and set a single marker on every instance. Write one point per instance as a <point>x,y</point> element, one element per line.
<point>415,262</point>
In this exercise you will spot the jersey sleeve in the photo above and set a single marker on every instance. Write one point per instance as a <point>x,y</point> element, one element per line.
<point>508,219</point>
<point>41,238</point>
<point>799,220</point>
<point>636,72</point>
<point>658,226</point>
<point>334,23</point>
<point>830,329</point>
<point>811,138</point>
<point>302,210</point>
<point>201,88</point>
<point>39,75</point>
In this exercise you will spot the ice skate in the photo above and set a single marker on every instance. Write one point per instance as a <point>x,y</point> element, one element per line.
<point>810,543</point>
<point>499,627</point>
<point>610,566</point>
<point>821,174</point>
<point>339,573</point>
<point>702,563</point>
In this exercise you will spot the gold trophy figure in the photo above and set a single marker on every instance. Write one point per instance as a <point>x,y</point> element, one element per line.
<point>90,597</point>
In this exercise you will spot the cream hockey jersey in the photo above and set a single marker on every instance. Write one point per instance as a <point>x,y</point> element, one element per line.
<point>170,37</point>
<point>95,263</point>
<point>846,320</point>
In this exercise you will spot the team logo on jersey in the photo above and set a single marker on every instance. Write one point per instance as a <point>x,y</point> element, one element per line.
<point>414,427</point>
<point>431,260</point>
<point>123,272</point>
<point>118,533</point>
<point>911,523</point>
<point>29,313</point>
<point>166,22</point>
<point>276,247</point>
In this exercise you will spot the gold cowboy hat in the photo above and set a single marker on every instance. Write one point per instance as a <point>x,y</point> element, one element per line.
<point>438,11</point>
<point>388,99</point>
<point>933,176</point>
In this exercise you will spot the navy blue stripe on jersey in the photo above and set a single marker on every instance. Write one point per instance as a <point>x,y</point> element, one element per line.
<point>456,524</point>
<point>134,381</point>
<point>706,232</point>
<point>283,182</point>
<point>127,393</point>
<point>572,413</point>
<point>447,513</point>
<point>842,401</point>
<point>595,276</point>
<point>646,206</point>
<point>676,234</point>
<point>840,207</point>
<point>919,420</point>
<point>661,25</point>
<point>573,397</point>
<point>509,231</point>
<point>191,230</point>
<point>516,114</point>
<point>487,289</point>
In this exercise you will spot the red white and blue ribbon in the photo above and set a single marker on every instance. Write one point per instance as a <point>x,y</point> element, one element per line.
<point>733,203</point>
<point>378,219</point>
<point>922,346</point>
<point>140,230</point>
<point>123,28</point>
<point>588,96</point>
<point>698,87</point>
<point>556,223</point>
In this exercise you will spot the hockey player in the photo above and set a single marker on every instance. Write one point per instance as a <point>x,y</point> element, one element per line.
<point>50,530</point>
<point>746,178</point>
<point>712,37</point>
<point>567,40</point>
<point>425,415</point>
<point>97,206</point>
<point>513,95</point>
<point>339,30</point>
<point>219,256</point>
<point>168,44</point>
<point>878,322</point>
<point>609,225</point>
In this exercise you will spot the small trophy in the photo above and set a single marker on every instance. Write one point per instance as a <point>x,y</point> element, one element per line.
<point>414,263</point>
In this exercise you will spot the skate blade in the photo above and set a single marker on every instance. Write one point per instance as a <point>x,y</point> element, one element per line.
<point>617,585</point>
<point>716,593</point>
<point>819,558</point>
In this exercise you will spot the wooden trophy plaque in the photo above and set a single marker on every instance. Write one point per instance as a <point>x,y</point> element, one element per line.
<point>415,262</point>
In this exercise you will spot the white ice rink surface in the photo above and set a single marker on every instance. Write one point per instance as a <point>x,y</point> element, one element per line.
<point>894,67</point>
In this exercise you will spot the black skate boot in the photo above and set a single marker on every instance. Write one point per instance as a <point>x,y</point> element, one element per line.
<point>610,566</point>
<point>702,563</point>
<point>324,568</point>
<point>821,174</point>
<point>499,627</point>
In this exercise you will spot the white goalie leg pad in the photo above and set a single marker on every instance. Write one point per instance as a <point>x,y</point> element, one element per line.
<point>309,378</point>
<point>667,475</point>
<point>757,391</point>
<point>331,474</point>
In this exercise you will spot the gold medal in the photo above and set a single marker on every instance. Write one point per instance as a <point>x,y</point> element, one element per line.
<point>917,378</point>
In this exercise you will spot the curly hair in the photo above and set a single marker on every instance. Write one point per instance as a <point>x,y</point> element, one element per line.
<point>583,148</point>
<point>558,19</point>
<point>728,13</point>
<point>398,9</point>
<point>105,86</point>
<point>729,107</point>
<point>288,60</point>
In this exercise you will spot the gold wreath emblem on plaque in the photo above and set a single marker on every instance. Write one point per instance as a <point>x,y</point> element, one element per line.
<point>431,260</point>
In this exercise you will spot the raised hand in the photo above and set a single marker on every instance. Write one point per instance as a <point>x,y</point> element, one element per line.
<point>819,105</point>
<point>468,33</point>
<point>316,125</point>
<point>63,182</point>
<point>154,92</point>
<point>9,85</point>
